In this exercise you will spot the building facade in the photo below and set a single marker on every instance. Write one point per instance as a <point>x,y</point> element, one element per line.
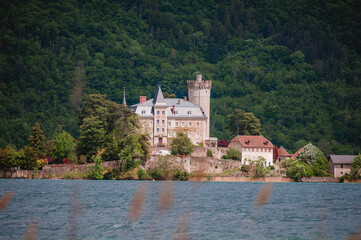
<point>253,147</point>
<point>163,117</point>
<point>339,165</point>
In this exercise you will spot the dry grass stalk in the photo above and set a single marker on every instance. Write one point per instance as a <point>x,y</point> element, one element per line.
<point>356,236</point>
<point>137,205</point>
<point>75,209</point>
<point>5,200</point>
<point>32,230</point>
<point>264,194</point>
<point>182,229</point>
<point>166,196</point>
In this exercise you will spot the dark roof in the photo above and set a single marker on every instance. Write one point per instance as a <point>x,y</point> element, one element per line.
<point>158,98</point>
<point>252,141</point>
<point>342,159</point>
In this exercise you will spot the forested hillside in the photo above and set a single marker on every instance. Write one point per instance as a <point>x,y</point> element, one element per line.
<point>295,64</point>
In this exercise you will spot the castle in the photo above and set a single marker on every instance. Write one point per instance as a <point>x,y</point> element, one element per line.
<point>163,117</point>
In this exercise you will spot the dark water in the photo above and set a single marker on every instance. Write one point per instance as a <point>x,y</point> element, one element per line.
<point>209,210</point>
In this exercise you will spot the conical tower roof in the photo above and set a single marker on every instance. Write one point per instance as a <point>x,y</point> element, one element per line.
<point>158,99</point>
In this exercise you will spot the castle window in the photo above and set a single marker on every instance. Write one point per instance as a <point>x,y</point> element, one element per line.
<point>197,124</point>
<point>143,111</point>
<point>157,112</point>
<point>162,129</point>
<point>169,124</point>
<point>190,124</point>
<point>163,112</point>
<point>197,143</point>
<point>183,124</point>
<point>151,123</point>
<point>189,134</point>
<point>163,122</point>
<point>169,134</point>
<point>261,149</point>
<point>176,124</point>
<point>189,112</point>
<point>157,130</point>
<point>341,165</point>
<point>157,121</point>
<point>197,135</point>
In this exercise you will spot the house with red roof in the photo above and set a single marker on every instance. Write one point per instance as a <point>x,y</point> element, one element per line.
<point>294,156</point>
<point>282,155</point>
<point>253,147</point>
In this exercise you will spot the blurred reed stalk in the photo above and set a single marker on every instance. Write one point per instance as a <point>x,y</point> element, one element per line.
<point>75,209</point>
<point>137,205</point>
<point>356,236</point>
<point>166,196</point>
<point>31,232</point>
<point>182,228</point>
<point>5,200</point>
<point>264,194</point>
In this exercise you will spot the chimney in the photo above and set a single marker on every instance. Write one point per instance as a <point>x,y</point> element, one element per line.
<point>178,101</point>
<point>173,109</point>
<point>185,99</point>
<point>142,99</point>
<point>199,77</point>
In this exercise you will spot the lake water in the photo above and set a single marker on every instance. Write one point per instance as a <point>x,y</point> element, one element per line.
<point>65,209</point>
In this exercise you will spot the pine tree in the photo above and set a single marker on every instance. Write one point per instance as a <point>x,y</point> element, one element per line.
<point>37,139</point>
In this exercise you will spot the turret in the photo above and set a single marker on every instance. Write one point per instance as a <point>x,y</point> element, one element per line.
<point>199,93</point>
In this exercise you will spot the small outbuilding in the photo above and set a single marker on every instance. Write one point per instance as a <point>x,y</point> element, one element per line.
<point>339,165</point>
<point>253,147</point>
<point>282,155</point>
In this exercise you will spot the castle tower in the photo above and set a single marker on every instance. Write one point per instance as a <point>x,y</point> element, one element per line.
<point>199,92</point>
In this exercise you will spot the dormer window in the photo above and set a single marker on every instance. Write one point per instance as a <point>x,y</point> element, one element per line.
<point>143,111</point>
<point>189,112</point>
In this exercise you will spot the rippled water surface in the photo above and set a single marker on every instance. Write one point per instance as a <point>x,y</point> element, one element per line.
<point>209,210</point>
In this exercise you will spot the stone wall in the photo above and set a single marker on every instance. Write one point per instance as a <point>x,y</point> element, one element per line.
<point>54,170</point>
<point>321,179</point>
<point>241,179</point>
<point>183,162</point>
<point>212,165</point>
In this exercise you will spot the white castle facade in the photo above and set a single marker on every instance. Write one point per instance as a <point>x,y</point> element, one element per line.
<point>163,117</point>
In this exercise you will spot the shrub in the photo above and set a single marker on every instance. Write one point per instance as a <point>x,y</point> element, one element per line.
<point>209,153</point>
<point>261,170</point>
<point>143,175</point>
<point>66,161</point>
<point>296,169</point>
<point>225,157</point>
<point>271,167</point>
<point>234,154</point>
<point>95,172</point>
<point>346,176</point>
<point>167,169</point>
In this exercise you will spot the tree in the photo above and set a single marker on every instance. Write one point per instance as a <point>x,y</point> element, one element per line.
<point>240,122</point>
<point>37,139</point>
<point>234,154</point>
<point>310,154</point>
<point>113,127</point>
<point>8,158</point>
<point>356,166</point>
<point>181,145</point>
<point>64,147</point>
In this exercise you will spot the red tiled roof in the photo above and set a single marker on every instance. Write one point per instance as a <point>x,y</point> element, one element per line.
<point>283,153</point>
<point>252,141</point>
<point>296,153</point>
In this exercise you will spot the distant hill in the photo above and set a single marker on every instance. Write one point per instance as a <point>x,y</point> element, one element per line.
<point>295,64</point>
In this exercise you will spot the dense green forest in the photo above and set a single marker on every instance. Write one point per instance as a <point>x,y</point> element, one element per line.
<point>296,65</point>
